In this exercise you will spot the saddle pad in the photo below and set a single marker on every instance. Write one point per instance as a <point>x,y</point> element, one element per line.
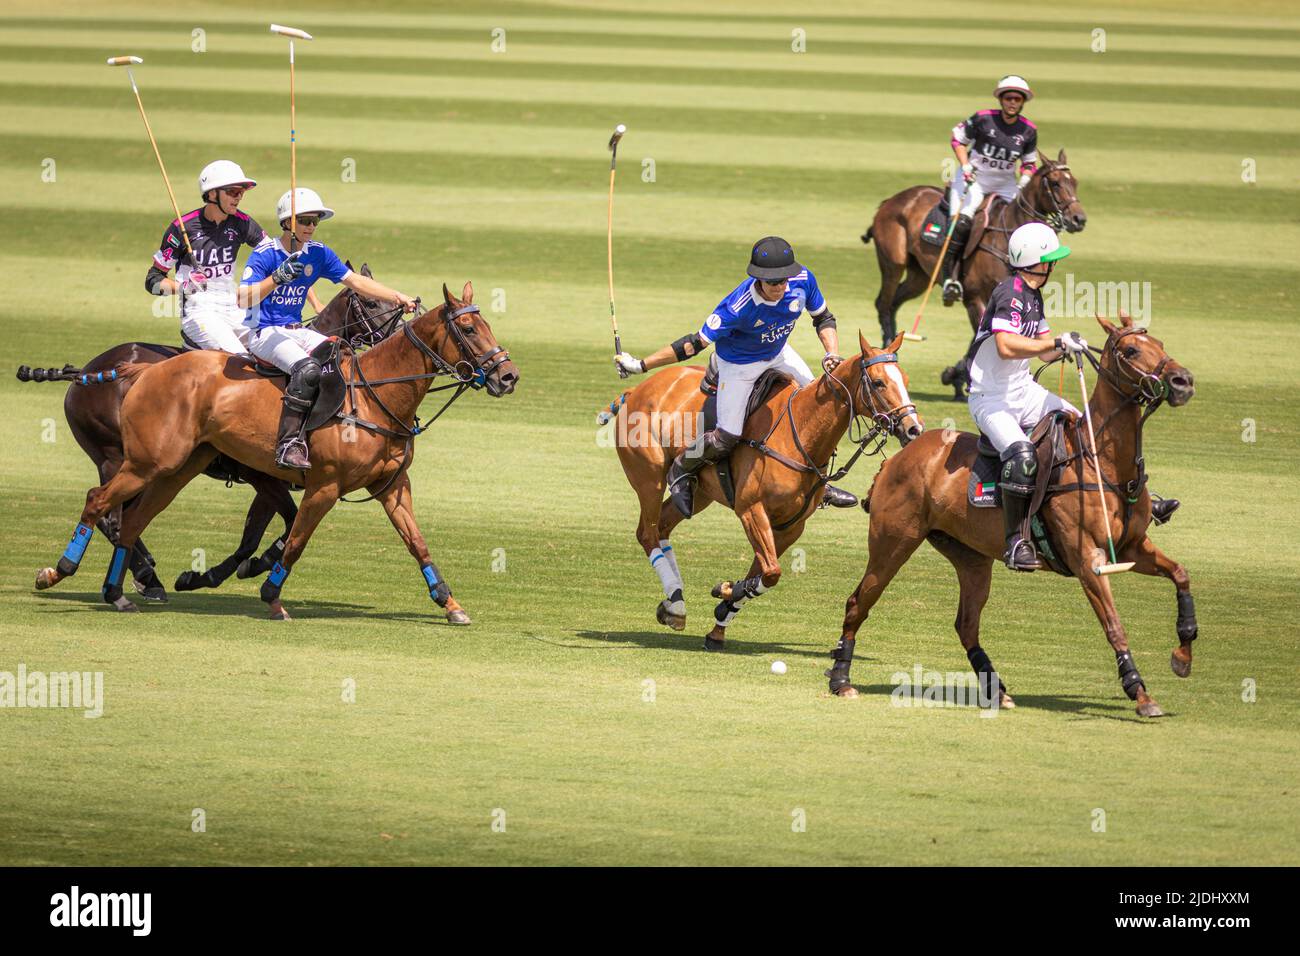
<point>982,489</point>
<point>935,227</point>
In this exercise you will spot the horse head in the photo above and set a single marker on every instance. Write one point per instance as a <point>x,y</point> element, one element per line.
<point>467,344</point>
<point>1053,192</point>
<point>882,389</point>
<point>1135,364</point>
<point>357,319</point>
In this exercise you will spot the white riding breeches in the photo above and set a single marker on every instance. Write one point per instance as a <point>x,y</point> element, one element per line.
<point>1007,418</point>
<point>283,347</point>
<point>736,382</point>
<point>967,198</point>
<point>215,331</point>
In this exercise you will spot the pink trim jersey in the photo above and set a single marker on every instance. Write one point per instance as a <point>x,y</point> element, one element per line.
<point>1013,307</point>
<point>216,246</point>
<point>995,147</point>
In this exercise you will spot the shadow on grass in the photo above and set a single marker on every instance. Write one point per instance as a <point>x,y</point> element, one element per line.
<point>1087,708</point>
<point>191,603</point>
<point>666,640</point>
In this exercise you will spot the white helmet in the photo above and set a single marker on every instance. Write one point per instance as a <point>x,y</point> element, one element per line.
<point>222,173</point>
<point>1014,83</point>
<point>1032,243</point>
<point>309,204</point>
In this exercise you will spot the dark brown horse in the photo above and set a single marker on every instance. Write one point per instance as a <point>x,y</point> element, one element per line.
<point>906,262</point>
<point>181,413</point>
<point>93,412</point>
<point>776,490</point>
<point>921,495</point>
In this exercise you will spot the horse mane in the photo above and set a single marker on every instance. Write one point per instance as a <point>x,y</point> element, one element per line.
<point>379,351</point>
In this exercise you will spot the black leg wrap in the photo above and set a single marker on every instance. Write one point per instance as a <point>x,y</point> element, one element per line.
<point>1128,675</point>
<point>270,592</point>
<point>988,677</point>
<point>112,589</point>
<point>66,568</point>
<point>441,594</point>
<point>746,589</point>
<point>1186,617</point>
<point>843,657</point>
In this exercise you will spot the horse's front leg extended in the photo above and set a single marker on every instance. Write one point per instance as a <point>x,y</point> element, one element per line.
<point>1097,587</point>
<point>260,513</point>
<point>397,504</point>
<point>1148,559</point>
<point>764,573</point>
<point>316,503</point>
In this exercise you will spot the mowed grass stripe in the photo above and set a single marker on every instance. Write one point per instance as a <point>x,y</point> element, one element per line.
<point>572,178</point>
<point>337,136</point>
<point>1170,26</point>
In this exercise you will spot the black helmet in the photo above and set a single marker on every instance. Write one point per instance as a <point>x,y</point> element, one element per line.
<point>773,258</point>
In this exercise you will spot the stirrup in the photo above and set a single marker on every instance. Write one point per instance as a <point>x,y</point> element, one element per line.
<point>1020,555</point>
<point>299,462</point>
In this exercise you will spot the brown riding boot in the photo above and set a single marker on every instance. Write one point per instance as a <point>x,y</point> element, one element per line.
<point>290,445</point>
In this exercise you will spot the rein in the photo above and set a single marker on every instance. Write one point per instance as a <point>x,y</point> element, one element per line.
<point>471,371</point>
<point>884,422</point>
<point>1055,219</point>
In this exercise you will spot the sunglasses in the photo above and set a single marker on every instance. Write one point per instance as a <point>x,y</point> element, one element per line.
<point>234,192</point>
<point>1012,98</point>
<point>774,281</point>
<point>309,220</point>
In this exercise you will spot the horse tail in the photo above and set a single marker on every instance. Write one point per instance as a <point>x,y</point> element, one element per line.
<point>866,499</point>
<point>124,371</point>
<point>866,236</point>
<point>610,411</point>
<point>68,373</point>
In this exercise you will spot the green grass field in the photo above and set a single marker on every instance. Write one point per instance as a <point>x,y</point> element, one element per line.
<point>474,164</point>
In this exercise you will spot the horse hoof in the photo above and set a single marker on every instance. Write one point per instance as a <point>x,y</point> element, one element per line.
<point>457,617</point>
<point>664,616</point>
<point>122,604</point>
<point>1005,702</point>
<point>155,593</point>
<point>278,613</point>
<point>722,590</point>
<point>847,692</point>
<point>46,578</point>
<point>1149,708</point>
<point>714,645</point>
<point>1180,667</point>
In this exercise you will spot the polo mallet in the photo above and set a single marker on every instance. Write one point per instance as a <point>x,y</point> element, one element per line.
<point>128,62</point>
<point>1115,567</point>
<point>914,336</point>
<point>292,34</point>
<point>619,130</point>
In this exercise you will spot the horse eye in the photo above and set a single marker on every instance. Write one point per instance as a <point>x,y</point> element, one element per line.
<point>468,329</point>
<point>1130,351</point>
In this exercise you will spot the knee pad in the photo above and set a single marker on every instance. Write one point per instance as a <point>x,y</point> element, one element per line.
<point>304,380</point>
<point>1019,468</point>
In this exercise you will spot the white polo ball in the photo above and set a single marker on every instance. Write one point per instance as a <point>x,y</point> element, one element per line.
<point>778,667</point>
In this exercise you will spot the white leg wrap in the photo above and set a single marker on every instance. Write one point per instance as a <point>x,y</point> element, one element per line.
<point>726,611</point>
<point>671,555</point>
<point>669,579</point>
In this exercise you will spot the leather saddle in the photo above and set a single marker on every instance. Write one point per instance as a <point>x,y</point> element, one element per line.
<point>935,227</point>
<point>982,491</point>
<point>765,386</point>
<point>329,400</point>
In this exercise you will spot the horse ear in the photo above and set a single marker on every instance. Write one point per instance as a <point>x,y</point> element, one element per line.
<point>1105,326</point>
<point>1126,319</point>
<point>467,293</point>
<point>365,270</point>
<point>1060,157</point>
<point>895,345</point>
<point>862,342</point>
<point>348,263</point>
<point>446,294</point>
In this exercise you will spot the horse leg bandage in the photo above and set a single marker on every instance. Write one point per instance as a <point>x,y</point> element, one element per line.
<point>843,657</point>
<point>1186,617</point>
<point>670,580</point>
<point>75,551</point>
<point>671,555</point>
<point>274,581</point>
<point>1128,674</point>
<point>988,677</point>
<point>741,592</point>
<point>112,589</point>
<point>438,588</point>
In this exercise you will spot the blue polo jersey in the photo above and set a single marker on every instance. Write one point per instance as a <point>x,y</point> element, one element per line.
<point>283,306</point>
<point>747,328</point>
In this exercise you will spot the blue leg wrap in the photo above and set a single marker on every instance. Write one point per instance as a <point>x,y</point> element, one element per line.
<point>112,590</point>
<point>438,589</point>
<point>271,586</point>
<point>76,550</point>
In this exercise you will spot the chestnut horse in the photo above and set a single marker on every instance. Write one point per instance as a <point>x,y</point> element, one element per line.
<point>906,263</point>
<point>93,411</point>
<point>181,413</point>
<point>777,486</point>
<point>921,495</point>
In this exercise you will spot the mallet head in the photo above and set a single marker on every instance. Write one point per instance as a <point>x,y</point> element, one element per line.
<point>124,60</point>
<point>619,130</point>
<point>290,32</point>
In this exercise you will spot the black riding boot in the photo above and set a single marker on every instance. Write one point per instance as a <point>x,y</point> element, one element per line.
<point>1162,509</point>
<point>1019,466</point>
<point>711,447</point>
<point>299,396</point>
<point>838,498</point>
<point>952,290</point>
